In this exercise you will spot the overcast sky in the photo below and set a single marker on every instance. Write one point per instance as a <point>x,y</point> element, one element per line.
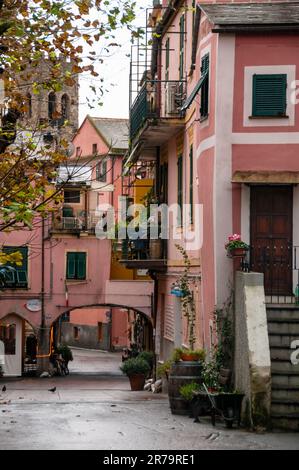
<point>115,72</point>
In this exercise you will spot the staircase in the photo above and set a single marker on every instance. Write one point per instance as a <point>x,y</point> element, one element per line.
<point>283,328</point>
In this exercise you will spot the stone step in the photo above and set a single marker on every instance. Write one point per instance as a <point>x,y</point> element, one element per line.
<point>287,423</point>
<point>283,341</point>
<point>284,407</point>
<point>284,328</point>
<point>280,393</point>
<point>284,367</point>
<point>281,353</point>
<point>283,314</point>
<point>285,379</point>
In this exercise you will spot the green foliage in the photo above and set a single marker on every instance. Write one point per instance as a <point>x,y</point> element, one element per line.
<point>148,356</point>
<point>197,354</point>
<point>188,303</point>
<point>134,366</point>
<point>186,391</point>
<point>210,374</point>
<point>164,369</point>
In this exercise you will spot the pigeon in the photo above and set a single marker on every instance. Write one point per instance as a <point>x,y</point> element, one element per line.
<point>4,388</point>
<point>53,390</point>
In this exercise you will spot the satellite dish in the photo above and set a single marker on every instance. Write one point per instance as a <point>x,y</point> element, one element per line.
<point>70,150</point>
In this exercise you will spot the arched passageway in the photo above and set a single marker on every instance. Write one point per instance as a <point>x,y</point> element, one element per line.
<point>99,334</point>
<point>18,346</point>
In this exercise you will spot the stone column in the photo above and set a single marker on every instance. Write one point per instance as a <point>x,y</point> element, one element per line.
<point>252,351</point>
<point>43,338</point>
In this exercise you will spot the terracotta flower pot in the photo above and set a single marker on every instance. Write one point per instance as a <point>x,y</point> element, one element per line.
<point>238,252</point>
<point>189,357</point>
<point>137,382</point>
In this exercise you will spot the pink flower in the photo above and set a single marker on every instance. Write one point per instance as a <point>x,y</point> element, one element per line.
<point>234,238</point>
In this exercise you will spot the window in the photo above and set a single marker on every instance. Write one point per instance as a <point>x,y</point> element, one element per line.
<point>164,183</point>
<point>76,266</point>
<point>269,95</point>
<point>78,151</point>
<point>101,171</point>
<point>71,197</point>
<point>65,107</point>
<point>18,278</point>
<point>180,190</point>
<point>191,185</point>
<point>76,332</point>
<point>94,149</point>
<point>100,332</point>
<point>167,59</point>
<point>8,337</point>
<point>204,108</point>
<point>52,105</point>
<point>182,44</point>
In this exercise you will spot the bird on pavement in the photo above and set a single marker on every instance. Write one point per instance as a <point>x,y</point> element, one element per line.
<point>52,390</point>
<point>4,388</point>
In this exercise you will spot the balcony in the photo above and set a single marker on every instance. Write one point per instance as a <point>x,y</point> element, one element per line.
<point>150,255</point>
<point>156,112</point>
<point>76,223</point>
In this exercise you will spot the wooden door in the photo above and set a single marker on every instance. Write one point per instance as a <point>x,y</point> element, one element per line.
<point>271,236</point>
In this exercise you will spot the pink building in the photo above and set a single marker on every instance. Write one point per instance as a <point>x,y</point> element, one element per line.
<point>219,116</point>
<point>63,291</point>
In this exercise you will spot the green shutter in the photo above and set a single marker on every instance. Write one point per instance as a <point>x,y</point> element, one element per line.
<point>81,265</point>
<point>205,65</point>
<point>18,278</point>
<point>71,266</point>
<point>180,188</point>
<point>182,44</point>
<point>269,95</point>
<point>191,184</point>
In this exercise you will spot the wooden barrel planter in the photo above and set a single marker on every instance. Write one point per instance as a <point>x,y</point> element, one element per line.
<point>182,373</point>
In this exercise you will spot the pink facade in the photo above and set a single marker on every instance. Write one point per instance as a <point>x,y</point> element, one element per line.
<point>69,239</point>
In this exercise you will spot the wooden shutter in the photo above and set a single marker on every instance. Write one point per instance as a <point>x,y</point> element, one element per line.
<point>180,188</point>
<point>191,184</point>
<point>19,277</point>
<point>205,65</point>
<point>71,266</point>
<point>269,95</point>
<point>182,41</point>
<point>167,59</point>
<point>81,265</point>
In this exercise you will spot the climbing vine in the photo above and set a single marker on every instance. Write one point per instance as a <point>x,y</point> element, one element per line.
<point>187,299</point>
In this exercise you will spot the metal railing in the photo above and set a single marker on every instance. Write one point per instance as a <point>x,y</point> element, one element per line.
<point>77,222</point>
<point>280,265</point>
<point>143,250</point>
<point>157,99</point>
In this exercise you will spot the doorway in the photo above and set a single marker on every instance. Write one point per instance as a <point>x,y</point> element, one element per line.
<point>271,236</point>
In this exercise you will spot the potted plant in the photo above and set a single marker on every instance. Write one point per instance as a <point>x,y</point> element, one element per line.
<point>185,354</point>
<point>149,357</point>
<point>187,391</point>
<point>235,247</point>
<point>136,369</point>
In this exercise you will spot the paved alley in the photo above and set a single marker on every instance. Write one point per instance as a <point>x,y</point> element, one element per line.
<point>100,412</point>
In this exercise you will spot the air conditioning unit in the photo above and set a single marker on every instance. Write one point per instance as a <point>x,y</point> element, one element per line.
<point>173,100</point>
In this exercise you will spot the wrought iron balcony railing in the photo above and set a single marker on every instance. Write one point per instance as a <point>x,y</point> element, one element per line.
<point>157,100</point>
